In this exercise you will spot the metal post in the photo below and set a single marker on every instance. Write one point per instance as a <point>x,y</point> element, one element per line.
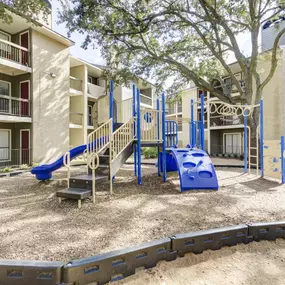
<point>134,115</point>
<point>139,171</point>
<point>245,144</point>
<point>282,159</point>
<point>158,135</point>
<point>261,137</point>
<point>163,139</point>
<point>111,104</point>
<point>202,122</point>
<point>208,122</point>
<point>192,142</point>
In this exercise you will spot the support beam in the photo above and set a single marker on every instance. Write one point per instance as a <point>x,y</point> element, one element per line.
<point>163,138</point>
<point>261,137</point>
<point>139,171</point>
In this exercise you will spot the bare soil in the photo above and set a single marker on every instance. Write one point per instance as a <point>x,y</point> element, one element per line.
<point>253,264</point>
<point>34,226</point>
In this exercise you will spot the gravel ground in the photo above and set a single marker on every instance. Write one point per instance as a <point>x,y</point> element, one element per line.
<point>35,226</point>
<point>254,264</point>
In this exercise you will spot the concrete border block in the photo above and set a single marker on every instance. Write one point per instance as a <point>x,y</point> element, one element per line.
<point>267,231</point>
<point>118,264</point>
<point>18,272</point>
<point>197,242</point>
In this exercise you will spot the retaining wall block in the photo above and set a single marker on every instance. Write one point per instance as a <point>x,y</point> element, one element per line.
<point>118,264</point>
<point>267,231</point>
<point>18,272</point>
<point>197,242</point>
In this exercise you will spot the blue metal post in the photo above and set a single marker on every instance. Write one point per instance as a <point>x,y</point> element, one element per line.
<point>134,115</point>
<point>283,159</point>
<point>158,131</point>
<point>192,142</point>
<point>111,105</point>
<point>261,137</point>
<point>245,143</point>
<point>202,122</point>
<point>163,139</point>
<point>139,172</point>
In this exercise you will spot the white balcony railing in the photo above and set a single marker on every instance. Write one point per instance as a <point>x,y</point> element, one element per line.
<point>96,90</point>
<point>76,118</point>
<point>146,100</point>
<point>75,83</point>
<point>15,53</point>
<point>15,106</point>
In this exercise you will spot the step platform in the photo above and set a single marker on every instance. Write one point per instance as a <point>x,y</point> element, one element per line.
<point>74,193</point>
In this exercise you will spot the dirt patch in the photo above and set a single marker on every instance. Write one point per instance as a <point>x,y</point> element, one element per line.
<point>35,226</point>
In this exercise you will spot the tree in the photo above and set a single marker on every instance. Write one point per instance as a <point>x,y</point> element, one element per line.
<point>188,40</point>
<point>30,9</point>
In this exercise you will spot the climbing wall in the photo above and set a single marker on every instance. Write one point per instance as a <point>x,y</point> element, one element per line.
<point>272,159</point>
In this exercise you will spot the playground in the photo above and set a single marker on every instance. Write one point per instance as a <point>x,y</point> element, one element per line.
<point>35,226</point>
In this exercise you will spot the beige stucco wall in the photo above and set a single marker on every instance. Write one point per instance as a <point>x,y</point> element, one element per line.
<point>50,98</point>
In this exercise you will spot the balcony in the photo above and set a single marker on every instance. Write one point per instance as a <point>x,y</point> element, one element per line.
<point>146,101</point>
<point>95,91</point>
<point>14,59</point>
<point>13,109</point>
<point>75,120</point>
<point>75,88</point>
<point>225,121</point>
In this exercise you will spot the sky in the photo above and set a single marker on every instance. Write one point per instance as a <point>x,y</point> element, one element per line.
<point>91,55</point>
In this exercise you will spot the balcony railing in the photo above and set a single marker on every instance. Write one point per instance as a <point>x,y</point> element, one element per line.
<point>95,90</point>
<point>15,106</point>
<point>76,118</point>
<point>75,83</point>
<point>146,100</point>
<point>14,157</point>
<point>226,121</point>
<point>15,53</point>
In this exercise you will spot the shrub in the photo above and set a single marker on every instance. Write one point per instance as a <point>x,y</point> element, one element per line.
<point>6,169</point>
<point>24,166</point>
<point>149,152</point>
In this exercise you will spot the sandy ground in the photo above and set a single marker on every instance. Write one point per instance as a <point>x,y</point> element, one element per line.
<point>35,226</point>
<point>254,264</point>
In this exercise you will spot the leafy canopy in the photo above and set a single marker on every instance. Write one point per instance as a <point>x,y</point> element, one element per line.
<point>187,40</point>
<point>30,9</point>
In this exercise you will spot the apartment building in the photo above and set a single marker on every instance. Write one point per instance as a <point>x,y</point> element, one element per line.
<point>50,101</point>
<point>34,91</point>
<point>224,134</point>
<point>89,100</point>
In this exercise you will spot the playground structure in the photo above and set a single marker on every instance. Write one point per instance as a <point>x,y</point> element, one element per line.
<point>111,144</point>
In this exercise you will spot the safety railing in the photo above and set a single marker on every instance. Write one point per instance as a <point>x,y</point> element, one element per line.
<point>75,83</point>
<point>76,118</point>
<point>121,138</point>
<point>15,106</point>
<point>100,138</point>
<point>13,52</point>
<point>149,125</point>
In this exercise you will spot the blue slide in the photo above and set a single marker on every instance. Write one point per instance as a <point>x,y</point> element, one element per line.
<point>44,172</point>
<point>195,168</point>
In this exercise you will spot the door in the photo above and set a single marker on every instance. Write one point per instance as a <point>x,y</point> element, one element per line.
<point>25,95</point>
<point>5,149</point>
<point>24,42</point>
<point>232,143</point>
<point>25,146</point>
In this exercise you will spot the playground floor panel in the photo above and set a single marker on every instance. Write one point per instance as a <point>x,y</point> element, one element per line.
<point>35,226</point>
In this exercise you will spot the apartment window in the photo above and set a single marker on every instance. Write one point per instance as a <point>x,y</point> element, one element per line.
<point>4,88</point>
<point>5,145</point>
<point>92,80</point>
<point>232,143</point>
<point>4,36</point>
<point>90,116</point>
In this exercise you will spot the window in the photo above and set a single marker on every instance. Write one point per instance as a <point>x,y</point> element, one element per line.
<point>92,80</point>
<point>90,115</point>
<point>5,147</point>
<point>4,36</point>
<point>89,79</point>
<point>4,88</point>
<point>232,143</point>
